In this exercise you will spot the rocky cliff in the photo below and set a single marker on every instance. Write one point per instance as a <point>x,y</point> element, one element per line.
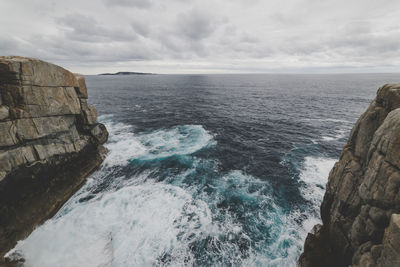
<point>361,225</point>
<point>50,141</point>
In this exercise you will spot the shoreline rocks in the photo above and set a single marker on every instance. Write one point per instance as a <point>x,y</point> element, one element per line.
<point>50,141</point>
<point>362,200</point>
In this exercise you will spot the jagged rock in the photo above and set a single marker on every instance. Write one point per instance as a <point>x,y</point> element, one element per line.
<point>8,135</point>
<point>81,89</point>
<point>390,252</point>
<point>89,114</point>
<point>363,192</point>
<point>4,112</point>
<point>98,132</point>
<point>50,142</point>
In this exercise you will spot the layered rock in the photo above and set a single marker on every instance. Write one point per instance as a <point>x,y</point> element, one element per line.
<point>361,225</point>
<point>50,141</point>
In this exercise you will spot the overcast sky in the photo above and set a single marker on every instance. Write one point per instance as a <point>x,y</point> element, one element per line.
<point>205,36</point>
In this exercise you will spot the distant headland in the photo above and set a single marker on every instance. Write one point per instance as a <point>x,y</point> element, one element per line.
<point>128,73</point>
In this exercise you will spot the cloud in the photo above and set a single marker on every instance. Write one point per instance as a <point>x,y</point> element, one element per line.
<point>129,3</point>
<point>86,29</point>
<point>195,25</point>
<point>219,36</point>
<point>140,27</point>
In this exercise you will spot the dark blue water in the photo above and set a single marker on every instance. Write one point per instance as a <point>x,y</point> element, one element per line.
<point>206,170</point>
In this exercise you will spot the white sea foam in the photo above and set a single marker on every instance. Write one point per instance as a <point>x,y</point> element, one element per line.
<point>179,140</point>
<point>138,225</point>
<point>124,145</point>
<point>329,119</point>
<point>315,176</point>
<point>339,134</point>
<point>133,226</point>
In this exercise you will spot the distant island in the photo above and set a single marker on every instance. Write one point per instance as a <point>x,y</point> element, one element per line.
<point>128,73</point>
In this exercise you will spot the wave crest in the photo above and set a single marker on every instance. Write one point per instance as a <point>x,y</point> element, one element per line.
<point>124,145</point>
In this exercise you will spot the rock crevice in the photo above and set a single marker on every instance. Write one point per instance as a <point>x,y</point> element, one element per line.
<point>50,141</point>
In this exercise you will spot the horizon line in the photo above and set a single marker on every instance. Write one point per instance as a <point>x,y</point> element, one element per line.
<point>241,73</point>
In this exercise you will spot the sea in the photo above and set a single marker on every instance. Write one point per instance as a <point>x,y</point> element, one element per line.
<point>205,170</point>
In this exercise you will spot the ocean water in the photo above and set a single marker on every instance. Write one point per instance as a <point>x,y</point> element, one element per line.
<point>205,170</point>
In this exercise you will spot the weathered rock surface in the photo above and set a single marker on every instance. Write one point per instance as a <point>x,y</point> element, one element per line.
<point>50,141</point>
<point>361,225</point>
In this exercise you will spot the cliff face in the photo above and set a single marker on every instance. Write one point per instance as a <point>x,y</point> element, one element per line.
<point>50,141</point>
<point>359,211</point>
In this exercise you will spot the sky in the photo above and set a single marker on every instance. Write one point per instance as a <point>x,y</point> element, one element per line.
<point>205,36</point>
